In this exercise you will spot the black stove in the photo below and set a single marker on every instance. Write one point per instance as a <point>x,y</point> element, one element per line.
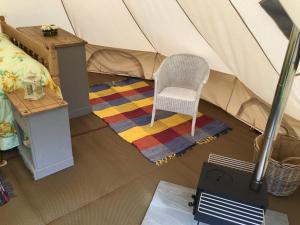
<point>224,196</point>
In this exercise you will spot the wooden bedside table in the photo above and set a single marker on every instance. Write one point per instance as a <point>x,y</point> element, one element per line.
<point>46,123</point>
<point>67,66</point>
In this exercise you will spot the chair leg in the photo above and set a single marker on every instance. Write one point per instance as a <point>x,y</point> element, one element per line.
<point>194,118</point>
<point>153,116</point>
<point>194,124</point>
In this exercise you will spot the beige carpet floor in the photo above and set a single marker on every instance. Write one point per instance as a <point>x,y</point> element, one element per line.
<point>111,182</point>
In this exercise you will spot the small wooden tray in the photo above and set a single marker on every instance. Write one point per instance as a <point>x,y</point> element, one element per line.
<point>28,107</point>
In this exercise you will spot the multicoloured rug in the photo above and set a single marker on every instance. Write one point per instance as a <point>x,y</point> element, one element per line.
<point>127,106</point>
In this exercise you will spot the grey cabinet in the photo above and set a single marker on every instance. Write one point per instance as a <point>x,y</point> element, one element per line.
<point>73,79</point>
<point>45,123</point>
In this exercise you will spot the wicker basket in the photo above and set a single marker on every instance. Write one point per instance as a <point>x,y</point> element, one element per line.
<point>283,174</point>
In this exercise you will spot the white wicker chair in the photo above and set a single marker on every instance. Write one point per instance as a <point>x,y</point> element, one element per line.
<point>178,85</point>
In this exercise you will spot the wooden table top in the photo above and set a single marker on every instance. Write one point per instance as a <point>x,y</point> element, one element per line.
<point>28,107</point>
<point>62,39</point>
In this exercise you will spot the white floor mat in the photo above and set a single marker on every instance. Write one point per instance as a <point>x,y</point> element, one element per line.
<point>169,206</point>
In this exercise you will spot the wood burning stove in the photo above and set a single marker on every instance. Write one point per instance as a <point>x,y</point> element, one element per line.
<point>224,196</point>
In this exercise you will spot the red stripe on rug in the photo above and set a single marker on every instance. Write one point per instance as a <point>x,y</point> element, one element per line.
<point>156,139</point>
<point>203,120</point>
<point>139,112</point>
<point>95,101</point>
<point>120,95</point>
<point>144,89</point>
<point>136,91</point>
<point>112,97</point>
<point>153,140</point>
<point>146,142</point>
<point>115,119</point>
<point>166,135</point>
<point>186,127</point>
<point>180,130</point>
<point>183,128</point>
<point>129,115</point>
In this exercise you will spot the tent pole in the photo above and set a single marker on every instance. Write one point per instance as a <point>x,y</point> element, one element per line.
<point>284,85</point>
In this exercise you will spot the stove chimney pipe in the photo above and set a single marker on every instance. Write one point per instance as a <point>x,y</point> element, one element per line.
<point>284,85</point>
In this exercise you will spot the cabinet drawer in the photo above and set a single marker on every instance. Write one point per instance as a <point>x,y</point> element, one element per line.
<point>21,121</point>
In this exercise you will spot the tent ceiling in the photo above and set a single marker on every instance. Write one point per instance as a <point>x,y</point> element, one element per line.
<point>269,36</point>
<point>248,50</point>
<point>229,36</point>
<point>106,23</point>
<point>29,12</point>
<point>170,30</point>
<point>225,32</point>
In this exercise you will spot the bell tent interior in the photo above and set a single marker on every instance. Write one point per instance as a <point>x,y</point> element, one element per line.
<point>96,65</point>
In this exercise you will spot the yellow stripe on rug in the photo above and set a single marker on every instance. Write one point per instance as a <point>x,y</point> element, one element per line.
<point>114,110</point>
<point>139,132</point>
<point>117,89</point>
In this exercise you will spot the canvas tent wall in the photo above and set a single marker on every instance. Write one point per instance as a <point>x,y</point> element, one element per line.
<point>242,44</point>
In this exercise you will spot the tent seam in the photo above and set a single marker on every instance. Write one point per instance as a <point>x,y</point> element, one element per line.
<point>64,7</point>
<point>252,34</point>
<point>154,65</point>
<point>231,94</point>
<point>185,13</point>
<point>134,19</point>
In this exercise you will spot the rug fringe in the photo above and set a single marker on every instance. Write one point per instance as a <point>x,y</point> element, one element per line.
<point>207,140</point>
<point>165,160</point>
<point>172,156</point>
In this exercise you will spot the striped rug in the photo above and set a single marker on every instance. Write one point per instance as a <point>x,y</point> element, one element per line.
<point>127,105</point>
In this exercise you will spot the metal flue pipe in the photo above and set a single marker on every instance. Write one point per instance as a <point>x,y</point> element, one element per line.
<point>284,85</point>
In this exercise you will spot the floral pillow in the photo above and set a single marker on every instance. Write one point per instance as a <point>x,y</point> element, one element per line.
<point>15,65</point>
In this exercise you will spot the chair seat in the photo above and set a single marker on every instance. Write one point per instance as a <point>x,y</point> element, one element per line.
<point>178,93</point>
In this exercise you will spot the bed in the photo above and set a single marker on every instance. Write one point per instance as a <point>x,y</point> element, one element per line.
<point>18,57</point>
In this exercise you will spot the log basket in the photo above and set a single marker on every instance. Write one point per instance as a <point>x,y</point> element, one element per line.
<point>283,173</point>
